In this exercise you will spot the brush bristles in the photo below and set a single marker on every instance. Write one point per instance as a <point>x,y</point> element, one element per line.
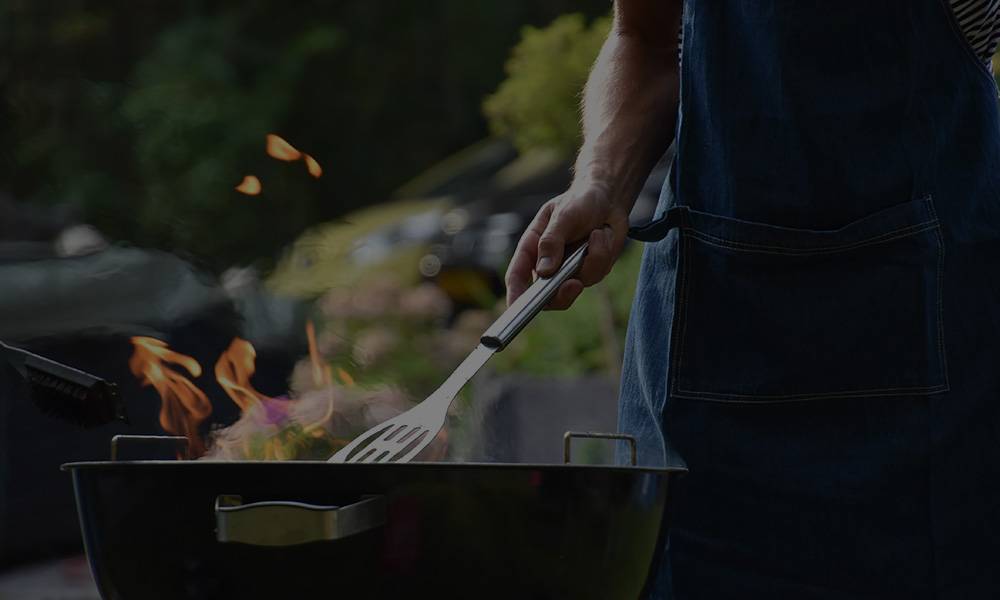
<point>88,406</point>
<point>62,391</point>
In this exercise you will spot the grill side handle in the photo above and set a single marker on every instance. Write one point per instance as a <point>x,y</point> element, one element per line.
<point>279,523</point>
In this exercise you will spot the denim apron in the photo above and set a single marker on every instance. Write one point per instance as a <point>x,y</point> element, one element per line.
<point>816,334</point>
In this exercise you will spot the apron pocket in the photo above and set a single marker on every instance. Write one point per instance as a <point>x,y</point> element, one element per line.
<point>772,314</point>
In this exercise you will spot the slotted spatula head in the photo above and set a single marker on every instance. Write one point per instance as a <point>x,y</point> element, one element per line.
<point>401,438</point>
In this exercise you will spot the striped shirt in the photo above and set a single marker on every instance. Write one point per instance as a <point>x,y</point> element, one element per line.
<point>980,20</point>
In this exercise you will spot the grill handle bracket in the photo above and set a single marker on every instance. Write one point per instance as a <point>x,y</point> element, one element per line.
<point>569,435</point>
<point>180,441</point>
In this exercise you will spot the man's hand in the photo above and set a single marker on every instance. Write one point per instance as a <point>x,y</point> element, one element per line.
<point>583,212</point>
<point>629,116</point>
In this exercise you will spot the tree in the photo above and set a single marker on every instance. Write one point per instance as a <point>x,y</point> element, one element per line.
<point>537,106</point>
<point>144,116</point>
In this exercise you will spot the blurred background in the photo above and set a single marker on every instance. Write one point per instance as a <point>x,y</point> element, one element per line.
<point>337,183</point>
<point>340,184</point>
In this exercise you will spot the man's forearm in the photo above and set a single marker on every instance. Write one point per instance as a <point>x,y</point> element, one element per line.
<point>630,111</point>
<point>631,99</point>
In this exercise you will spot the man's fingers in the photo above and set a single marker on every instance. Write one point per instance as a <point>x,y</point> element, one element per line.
<point>567,294</point>
<point>542,248</point>
<point>518,275</point>
<point>601,254</point>
<point>551,246</point>
<point>522,264</point>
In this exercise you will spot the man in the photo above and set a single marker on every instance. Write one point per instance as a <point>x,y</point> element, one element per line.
<point>817,332</point>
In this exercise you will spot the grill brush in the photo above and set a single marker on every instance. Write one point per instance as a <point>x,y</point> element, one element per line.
<point>61,391</point>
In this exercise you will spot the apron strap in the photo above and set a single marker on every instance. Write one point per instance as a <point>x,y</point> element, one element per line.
<point>657,229</point>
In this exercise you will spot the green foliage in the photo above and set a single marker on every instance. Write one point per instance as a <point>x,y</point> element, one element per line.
<point>538,104</point>
<point>151,151</point>
<point>996,67</point>
<point>201,125</point>
<point>145,115</point>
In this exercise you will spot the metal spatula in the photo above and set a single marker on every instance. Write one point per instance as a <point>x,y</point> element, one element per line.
<point>403,437</point>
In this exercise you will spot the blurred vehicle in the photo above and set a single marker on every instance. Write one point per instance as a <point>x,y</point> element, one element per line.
<point>477,238</point>
<point>385,239</point>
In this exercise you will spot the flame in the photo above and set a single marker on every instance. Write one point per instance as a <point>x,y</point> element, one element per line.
<point>345,377</point>
<point>328,382</point>
<point>281,428</point>
<point>250,186</point>
<point>321,374</point>
<point>314,357</point>
<point>314,169</point>
<point>183,406</point>
<point>235,368</point>
<point>233,371</point>
<point>280,149</point>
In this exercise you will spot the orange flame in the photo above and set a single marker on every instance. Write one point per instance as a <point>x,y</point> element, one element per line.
<point>314,169</point>
<point>183,406</point>
<point>321,375</point>
<point>345,377</point>
<point>325,379</point>
<point>233,371</point>
<point>314,357</point>
<point>250,186</point>
<point>280,149</point>
<point>288,424</point>
<point>235,368</point>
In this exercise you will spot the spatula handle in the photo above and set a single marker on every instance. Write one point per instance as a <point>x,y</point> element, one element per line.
<point>531,302</point>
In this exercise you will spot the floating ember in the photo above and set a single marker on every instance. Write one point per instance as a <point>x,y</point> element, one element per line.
<point>250,186</point>
<point>314,169</point>
<point>278,148</point>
